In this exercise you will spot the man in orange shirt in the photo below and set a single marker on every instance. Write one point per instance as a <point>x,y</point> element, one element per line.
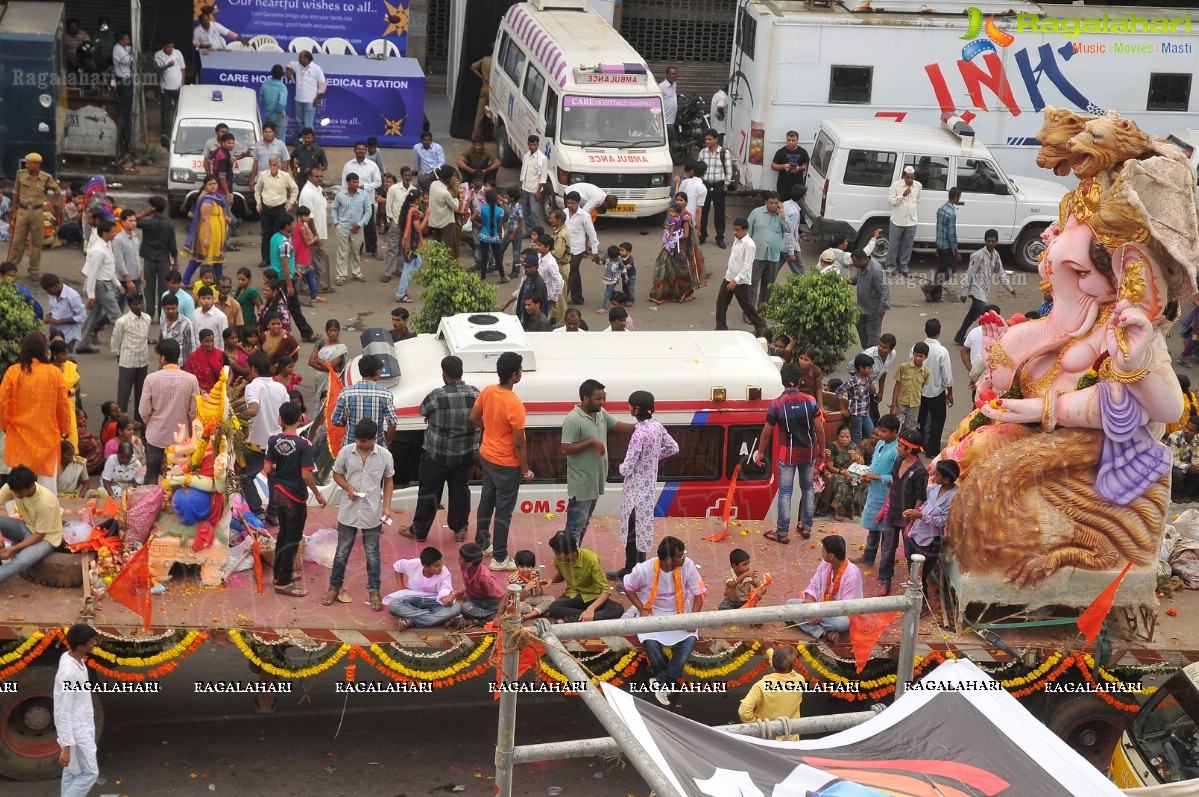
<point>499,412</point>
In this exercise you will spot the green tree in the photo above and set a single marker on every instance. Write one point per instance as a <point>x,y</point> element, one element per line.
<point>448,289</point>
<point>16,321</point>
<point>820,311</point>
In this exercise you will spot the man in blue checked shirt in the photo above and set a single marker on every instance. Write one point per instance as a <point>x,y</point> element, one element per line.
<point>351,213</point>
<point>367,399</point>
<point>948,255</point>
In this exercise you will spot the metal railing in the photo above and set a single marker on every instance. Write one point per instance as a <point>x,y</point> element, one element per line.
<point>507,754</point>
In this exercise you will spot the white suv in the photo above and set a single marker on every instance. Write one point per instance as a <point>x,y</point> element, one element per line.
<point>854,163</point>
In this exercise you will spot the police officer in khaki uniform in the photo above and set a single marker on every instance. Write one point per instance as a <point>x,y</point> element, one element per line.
<point>31,191</point>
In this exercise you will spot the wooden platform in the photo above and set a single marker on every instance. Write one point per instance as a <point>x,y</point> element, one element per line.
<point>186,604</point>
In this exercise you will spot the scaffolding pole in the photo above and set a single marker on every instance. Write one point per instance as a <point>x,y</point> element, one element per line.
<point>624,738</point>
<point>914,593</point>
<point>505,739</point>
<point>584,748</point>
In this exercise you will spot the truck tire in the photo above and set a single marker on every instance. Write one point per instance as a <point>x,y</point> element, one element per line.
<point>503,146</point>
<point>867,232</point>
<point>28,740</point>
<point>1090,726</point>
<point>58,570</point>
<point>175,210</point>
<point>549,202</point>
<point>1028,248</point>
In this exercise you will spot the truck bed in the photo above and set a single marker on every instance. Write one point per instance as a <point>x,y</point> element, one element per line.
<point>25,606</point>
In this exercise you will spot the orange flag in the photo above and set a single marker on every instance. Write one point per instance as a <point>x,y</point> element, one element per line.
<point>131,587</point>
<point>728,508</point>
<point>257,554</point>
<point>1091,620</point>
<point>756,594</point>
<point>864,631</point>
<point>335,435</point>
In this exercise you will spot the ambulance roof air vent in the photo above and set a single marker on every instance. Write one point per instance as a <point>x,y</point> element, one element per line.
<point>479,339</point>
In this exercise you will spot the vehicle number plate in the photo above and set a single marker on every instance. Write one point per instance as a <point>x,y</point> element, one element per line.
<point>628,208</point>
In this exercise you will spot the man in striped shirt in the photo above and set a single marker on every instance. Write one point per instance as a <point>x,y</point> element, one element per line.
<point>717,176</point>
<point>367,399</point>
<point>801,449</point>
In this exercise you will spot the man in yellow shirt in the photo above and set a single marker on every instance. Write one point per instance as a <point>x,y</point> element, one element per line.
<point>778,694</point>
<point>37,532</point>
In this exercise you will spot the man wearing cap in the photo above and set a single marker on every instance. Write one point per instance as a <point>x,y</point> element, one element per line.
<point>32,190</point>
<point>904,199</point>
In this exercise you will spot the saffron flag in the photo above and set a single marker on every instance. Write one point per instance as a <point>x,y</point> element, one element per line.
<point>1091,620</point>
<point>257,554</point>
<point>756,594</point>
<point>334,435</point>
<point>864,631</point>
<point>728,507</point>
<point>131,587</point>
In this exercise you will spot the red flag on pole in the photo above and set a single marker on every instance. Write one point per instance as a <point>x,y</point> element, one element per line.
<point>864,631</point>
<point>756,594</point>
<point>131,587</point>
<point>335,435</point>
<point>728,508</point>
<point>1091,620</point>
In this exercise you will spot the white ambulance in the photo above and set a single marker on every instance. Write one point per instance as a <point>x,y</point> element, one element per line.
<point>711,391</point>
<point>201,109</point>
<point>560,71</point>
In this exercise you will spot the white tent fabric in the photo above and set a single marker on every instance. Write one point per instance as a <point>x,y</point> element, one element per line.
<point>958,734</point>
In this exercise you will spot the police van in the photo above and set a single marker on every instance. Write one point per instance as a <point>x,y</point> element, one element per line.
<point>711,391</point>
<point>201,109</point>
<point>560,71</point>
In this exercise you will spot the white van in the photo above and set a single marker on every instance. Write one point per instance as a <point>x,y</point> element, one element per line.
<point>560,71</point>
<point>1188,141</point>
<point>854,162</point>
<point>201,109</point>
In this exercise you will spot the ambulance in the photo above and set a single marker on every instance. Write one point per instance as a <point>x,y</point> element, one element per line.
<point>711,391</point>
<point>201,108</point>
<point>560,71</point>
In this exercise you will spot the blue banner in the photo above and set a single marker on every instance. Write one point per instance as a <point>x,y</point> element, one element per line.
<point>384,98</point>
<point>357,21</point>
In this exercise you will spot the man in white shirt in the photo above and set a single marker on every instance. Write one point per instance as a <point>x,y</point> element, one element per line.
<point>209,316</point>
<point>172,71</point>
<point>737,280</point>
<point>547,268</point>
<point>122,67</point>
<point>793,213</point>
<point>131,343</point>
<point>74,721</point>
<point>972,347</point>
<point>904,198</point>
<point>312,196</point>
<point>532,178</point>
<point>718,115</point>
<point>101,287</point>
<point>310,87</point>
<point>126,251</point>
<point>670,99</point>
<point>264,396</point>
<point>692,184</point>
<point>937,393</point>
<point>593,199</point>
<point>394,263</point>
<point>369,180</point>
<point>210,35</point>
<point>583,240</point>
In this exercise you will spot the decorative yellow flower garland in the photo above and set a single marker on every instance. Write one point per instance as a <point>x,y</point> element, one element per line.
<point>189,639</point>
<point>22,649</point>
<point>458,666</point>
<point>717,672</point>
<point>303,672</point>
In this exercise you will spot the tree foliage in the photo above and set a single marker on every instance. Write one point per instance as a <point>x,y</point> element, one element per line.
<point>16,321</point>
<point>820,311</point>
<point>449,289</point>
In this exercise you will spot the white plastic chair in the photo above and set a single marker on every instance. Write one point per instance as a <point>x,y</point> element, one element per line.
<point>261,39</point>
<point>237,46</point>
<point>268,47</point>
<point>302,43</point>
<point>382,48</point>
<point>337,46</point>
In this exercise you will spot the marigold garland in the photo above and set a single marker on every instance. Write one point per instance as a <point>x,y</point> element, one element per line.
<point>22,648</point>
<point>31,655</point>
<point>284,672</point>
<point>189,644</point>
<point>737,663</point>
<point>451,671</point>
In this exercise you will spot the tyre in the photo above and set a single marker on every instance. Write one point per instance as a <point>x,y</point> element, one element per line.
<point>503,146</point>
<point>28,740</point>
<point>549,202</point>
<point>175,210</point>
<point>1090,726</point>
<point>1028,248</point>
<point>881,245</point>
<point>59,570</point>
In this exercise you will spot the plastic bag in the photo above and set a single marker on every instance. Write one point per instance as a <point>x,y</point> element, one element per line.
<point>321,547</point>
<point>1184,561</point>
<point>241,557</point>
<point>75,532</point>
<point>1170,538</point>
<point>1187,525</point>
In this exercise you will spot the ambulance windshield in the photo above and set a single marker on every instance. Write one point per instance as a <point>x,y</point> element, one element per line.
<point>612,121</point>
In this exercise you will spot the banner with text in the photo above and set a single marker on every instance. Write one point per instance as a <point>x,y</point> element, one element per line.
<point>366,97</point>
<point>357,21</point>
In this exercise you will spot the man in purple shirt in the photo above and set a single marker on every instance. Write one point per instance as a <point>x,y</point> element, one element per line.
<point>168,402</point>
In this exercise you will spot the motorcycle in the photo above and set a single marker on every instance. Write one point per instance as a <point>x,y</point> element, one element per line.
<point>691,122</point>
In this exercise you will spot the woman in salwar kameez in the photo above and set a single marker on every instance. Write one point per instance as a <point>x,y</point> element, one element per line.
<point>649,443</point>
<point>205,244</point>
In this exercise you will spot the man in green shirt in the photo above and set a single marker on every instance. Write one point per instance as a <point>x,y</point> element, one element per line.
<point>37,532</point>
<point>587,596</point>
<point>585,446</point>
